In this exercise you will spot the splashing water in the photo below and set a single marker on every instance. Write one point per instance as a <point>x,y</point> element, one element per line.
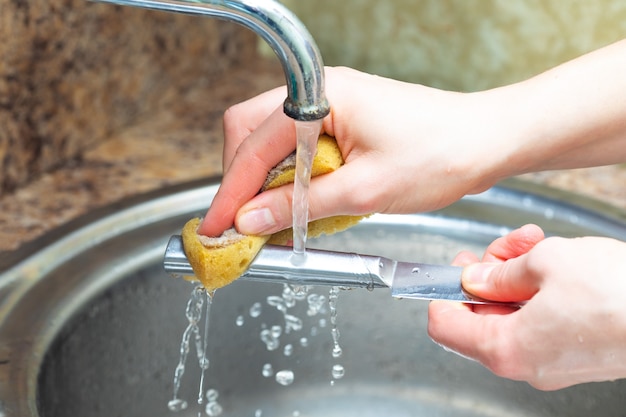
<point>332,306</point>
<point>315,307</point>
<point>199,298</point>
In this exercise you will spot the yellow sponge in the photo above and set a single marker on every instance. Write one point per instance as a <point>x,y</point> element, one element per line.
<point>327,159</point>
<point>218,261</point>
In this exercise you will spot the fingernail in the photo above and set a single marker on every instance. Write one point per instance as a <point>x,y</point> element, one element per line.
<point>477,274</point>
<point>256,222</point>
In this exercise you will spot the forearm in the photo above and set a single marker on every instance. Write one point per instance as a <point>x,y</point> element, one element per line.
<point>572,116</point>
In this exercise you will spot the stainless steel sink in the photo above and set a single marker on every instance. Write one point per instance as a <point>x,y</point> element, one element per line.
<point>90,325</point>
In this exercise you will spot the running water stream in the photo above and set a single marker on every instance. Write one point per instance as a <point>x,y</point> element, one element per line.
<point>199,298</point>
<point>307,134</point>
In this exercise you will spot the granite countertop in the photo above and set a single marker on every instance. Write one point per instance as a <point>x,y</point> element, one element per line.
<point>171,146</point>
<point>182,144</point>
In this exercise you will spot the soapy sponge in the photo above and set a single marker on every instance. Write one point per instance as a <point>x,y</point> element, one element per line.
<point>218,261</point>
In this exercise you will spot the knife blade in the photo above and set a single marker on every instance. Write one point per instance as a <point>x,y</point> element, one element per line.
<point>279,264</point>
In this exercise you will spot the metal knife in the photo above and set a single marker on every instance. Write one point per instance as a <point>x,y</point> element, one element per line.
<point>279,264</point>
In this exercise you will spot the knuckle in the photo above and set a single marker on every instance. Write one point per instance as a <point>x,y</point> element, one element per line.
<point>545,255</point>
<point>230,115</point>
<point>503,357</point>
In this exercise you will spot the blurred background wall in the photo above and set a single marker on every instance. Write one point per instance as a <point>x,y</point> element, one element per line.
<point>463,45</point>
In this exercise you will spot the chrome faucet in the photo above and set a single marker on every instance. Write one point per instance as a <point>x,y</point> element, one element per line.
<point>282,30</point>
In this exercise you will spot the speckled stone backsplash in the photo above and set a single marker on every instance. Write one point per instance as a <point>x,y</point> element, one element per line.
<point>73,72</point>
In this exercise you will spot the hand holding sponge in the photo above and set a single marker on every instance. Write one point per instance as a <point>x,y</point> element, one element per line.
<point>218,261</point>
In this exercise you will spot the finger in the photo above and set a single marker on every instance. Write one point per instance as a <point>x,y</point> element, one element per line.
<point>509,281</point>
<point>269,144</point>
<point>494,309</point>
<point>244,118</point>
<point>449,325</point>
<point>464,258</point>
<point>514,244</point>
<point>484,338</point>
<point>329,195</point>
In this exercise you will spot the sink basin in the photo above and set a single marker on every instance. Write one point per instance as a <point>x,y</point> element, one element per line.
<point>90,325</point>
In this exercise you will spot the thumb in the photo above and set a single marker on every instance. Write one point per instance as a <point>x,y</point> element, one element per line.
<point>508,281</point>
<point>330,194</point>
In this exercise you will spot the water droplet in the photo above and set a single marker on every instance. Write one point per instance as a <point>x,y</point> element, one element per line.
<point>289,297</point>
<point>284,377</point>
<point>322,323</point>
<point>271,342</point>
<point>276,301</point>
<point>296,413</point>
<point>304,342</point>
<point>213,409</point>
<point>258,413</point>
<point>337,351</point>
<point>276,331</point>
<point>272,345</point>
<point>415,270</point>
<point>177,405</point>
<point>211,395</point>
<point>288,350</point>
<point>268,370</point>
<point>239,321</point>
<point>316,304</point>
<point>338,371</point>
<point>292,323</point>
<point>256,309</point>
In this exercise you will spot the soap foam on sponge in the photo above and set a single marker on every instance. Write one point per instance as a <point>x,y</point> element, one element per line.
<point>218,261</point>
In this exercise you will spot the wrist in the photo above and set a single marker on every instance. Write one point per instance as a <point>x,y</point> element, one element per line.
<point>494,138</point>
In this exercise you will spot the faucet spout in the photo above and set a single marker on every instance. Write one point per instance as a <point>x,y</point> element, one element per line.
<point>282,30</point>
